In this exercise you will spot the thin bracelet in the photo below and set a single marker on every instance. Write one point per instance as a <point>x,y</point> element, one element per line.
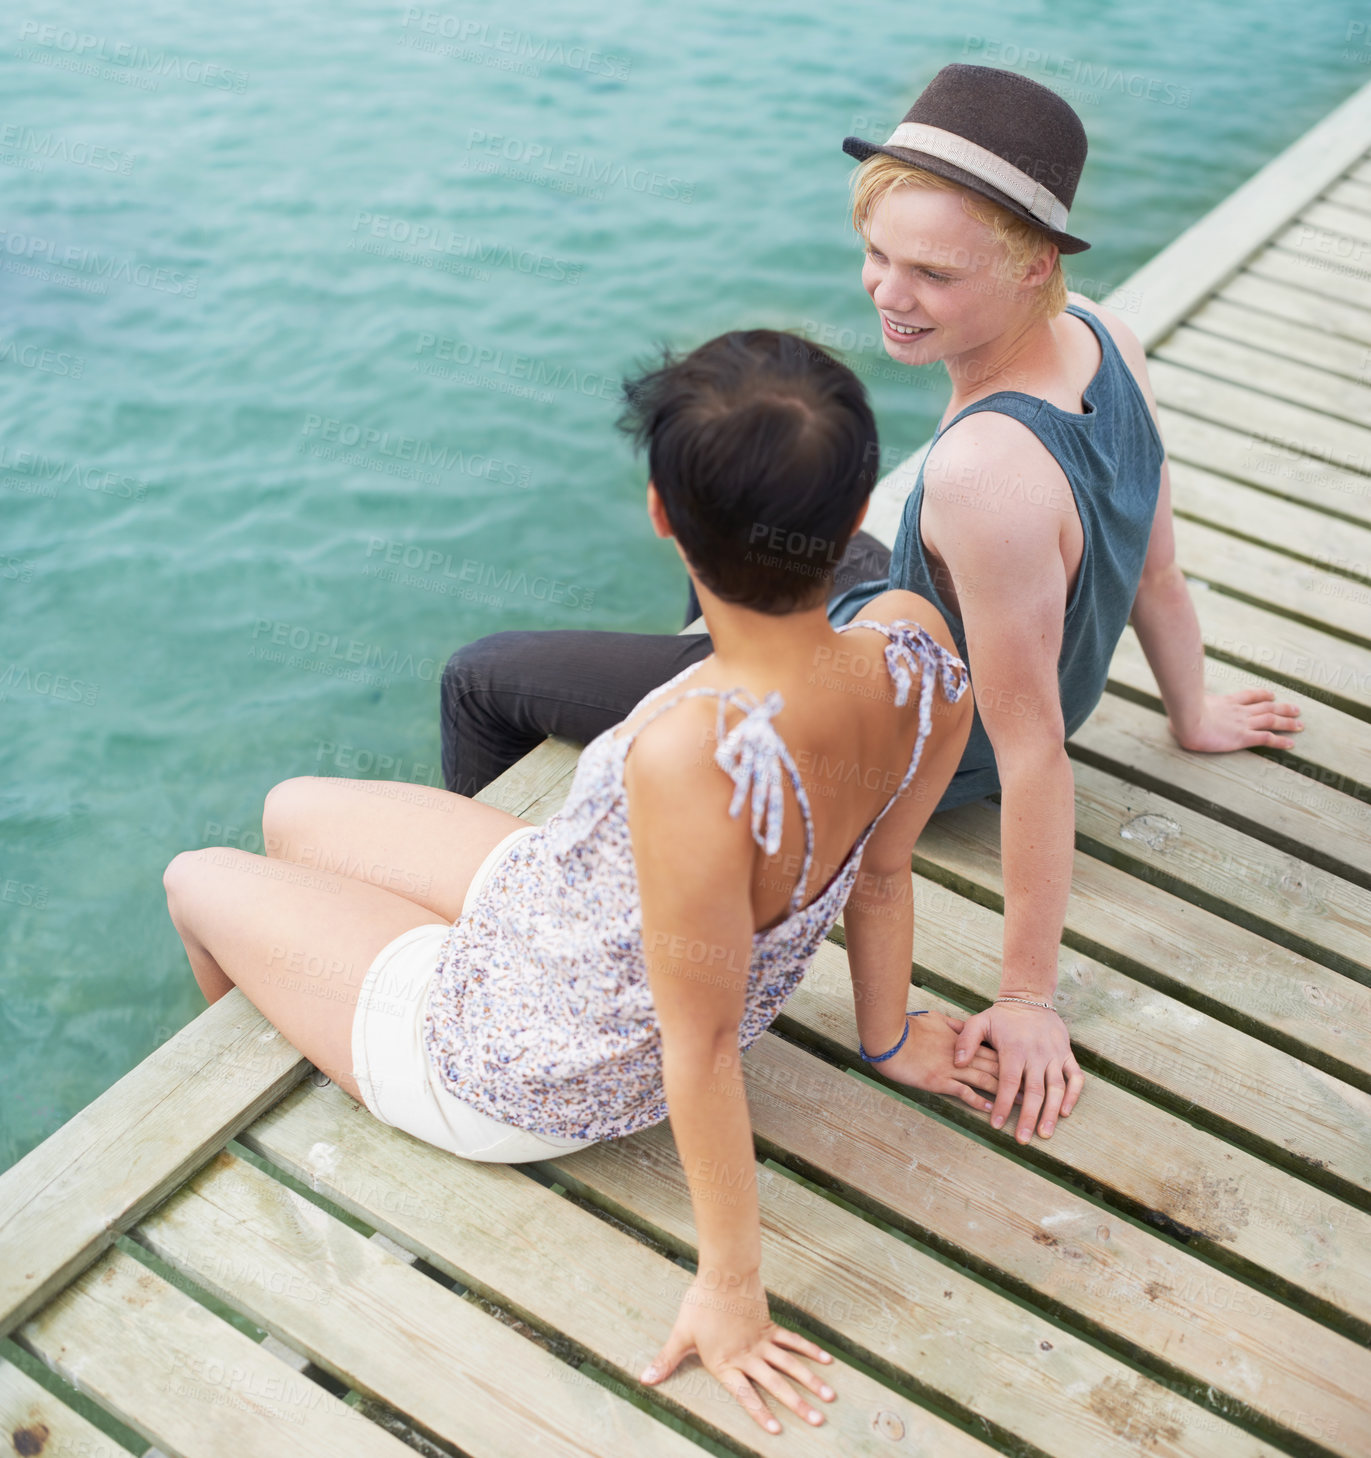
<point>881,1057</point>
<point>1027,1002</point>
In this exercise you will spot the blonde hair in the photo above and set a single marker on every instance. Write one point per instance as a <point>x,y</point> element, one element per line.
<point>1022,242</point>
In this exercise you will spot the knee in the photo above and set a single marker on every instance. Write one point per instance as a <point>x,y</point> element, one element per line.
<point>285,809</point>
<point>181,875</point>
<point>476,665</point>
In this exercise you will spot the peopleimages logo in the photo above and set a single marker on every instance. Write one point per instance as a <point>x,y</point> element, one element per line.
<point>472,39</point>
<point>84,50</point>
<point>29,246</point>
<point>18,139</point>
<point>535,161</point>
<point>404,237</point>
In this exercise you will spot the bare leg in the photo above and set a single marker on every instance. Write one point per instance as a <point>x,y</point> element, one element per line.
<point>419,842</point>
<point>297,942</point>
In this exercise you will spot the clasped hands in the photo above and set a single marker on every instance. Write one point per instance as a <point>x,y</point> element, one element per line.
<point>1010,1052</point>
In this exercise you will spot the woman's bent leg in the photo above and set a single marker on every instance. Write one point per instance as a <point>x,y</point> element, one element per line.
<point>297,942</point>
<point>419,842</point>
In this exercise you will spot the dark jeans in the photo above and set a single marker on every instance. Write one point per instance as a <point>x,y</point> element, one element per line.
<point>504,694</point>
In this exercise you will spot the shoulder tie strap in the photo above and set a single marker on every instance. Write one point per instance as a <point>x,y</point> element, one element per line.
<point>753,754</point>
<point>911,648</point>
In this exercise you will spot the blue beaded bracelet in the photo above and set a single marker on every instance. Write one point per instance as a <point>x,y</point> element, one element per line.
<point>881,1057</point>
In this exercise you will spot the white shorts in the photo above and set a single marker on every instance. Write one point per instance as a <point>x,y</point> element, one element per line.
<point>397,1082</point>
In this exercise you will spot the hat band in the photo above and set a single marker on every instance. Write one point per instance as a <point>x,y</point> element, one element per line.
<point>983,163</point>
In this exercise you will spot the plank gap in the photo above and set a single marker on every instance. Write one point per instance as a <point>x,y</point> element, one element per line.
<point>1294,615</point>
<point>1309,1169</point>
<point>1159,981</point>
<point>841,1346</point>
<point>403,1428</point>
<point>1200,371</point>
<point>1118,856</point>
<point>1235,820</point>
<point>1320,774</point>
<point>1109,1200</point>
<point>120,1435</point>
<point>1137,1357</point>
<point>1229,529</point>
<point>1186,458</point>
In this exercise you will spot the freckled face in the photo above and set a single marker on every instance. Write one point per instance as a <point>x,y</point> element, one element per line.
<point>931,271</point>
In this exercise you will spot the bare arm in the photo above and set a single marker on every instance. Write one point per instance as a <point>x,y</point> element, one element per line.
<point>1003,551</point>
<point>878,920</point>
<point>694,869</point>
<point>1164,617</point>
<point>1169,631</point>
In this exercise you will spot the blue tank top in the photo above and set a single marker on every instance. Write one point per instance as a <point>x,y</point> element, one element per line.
<point>1112,457</point>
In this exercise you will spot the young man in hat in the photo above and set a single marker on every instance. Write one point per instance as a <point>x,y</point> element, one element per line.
<point>1039,524</point>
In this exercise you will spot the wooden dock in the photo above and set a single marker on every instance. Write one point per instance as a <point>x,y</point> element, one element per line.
<point>232,1258</point>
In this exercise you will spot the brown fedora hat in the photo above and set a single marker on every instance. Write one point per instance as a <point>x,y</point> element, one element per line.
<point>999,134</point>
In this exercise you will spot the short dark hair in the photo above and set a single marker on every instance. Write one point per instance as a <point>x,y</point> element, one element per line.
<point>763,449</point>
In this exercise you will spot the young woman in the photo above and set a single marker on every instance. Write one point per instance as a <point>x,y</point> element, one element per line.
<point>529,991</point>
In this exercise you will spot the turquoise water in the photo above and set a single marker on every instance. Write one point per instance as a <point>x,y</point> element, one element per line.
<point>312,322</point>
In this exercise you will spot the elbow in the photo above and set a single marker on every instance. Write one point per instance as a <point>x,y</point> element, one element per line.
<point>879,886</point>
<point>1032,757</point>
<point>1157,583</point>
<point>703,1051</point>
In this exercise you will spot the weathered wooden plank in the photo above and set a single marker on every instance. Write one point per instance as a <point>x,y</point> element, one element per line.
<point>1331,543</point>
<point>1206,254</point>
<point>376,1323</point>
<point>1325,250</point>
<point>1217,1074</point>
<point>1211,1194</point>
<point>1310,268</point>
<point>556,782</point>
<point>1349,223</point>
<point>523,786</point>
<point>1153,1300</point>
<point>560,1268</point>
<point>1311,311</point>
<point>1272,336</point>
<point>1334,753</point>
<point>70,1198</point>
<point>547,770</point>
<point>1260,796</point>
<point>1347,192</point>
<point>1315,664</point>
<point>1263,416</point>
<point>1266,372</point>
<point>1276,894</point>
<point>1266,990</point>
<point>34,1422</point>
<point>186,1380</point>
<point>1307,593</point>
<point>1011,1367</point>
<point>1282,469</point>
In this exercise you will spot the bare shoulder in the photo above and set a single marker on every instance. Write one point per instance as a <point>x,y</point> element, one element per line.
<point>990,470</point>
<point>1130,346</point>
<point>674,785</point>
<point>899,605</point>
<point>674,753</point>
<point>1123,336</point>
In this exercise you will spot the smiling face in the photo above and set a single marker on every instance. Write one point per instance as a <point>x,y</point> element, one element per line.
<point>936,276</point>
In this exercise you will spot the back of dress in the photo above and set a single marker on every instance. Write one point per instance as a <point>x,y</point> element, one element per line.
<point>541,1011</point>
